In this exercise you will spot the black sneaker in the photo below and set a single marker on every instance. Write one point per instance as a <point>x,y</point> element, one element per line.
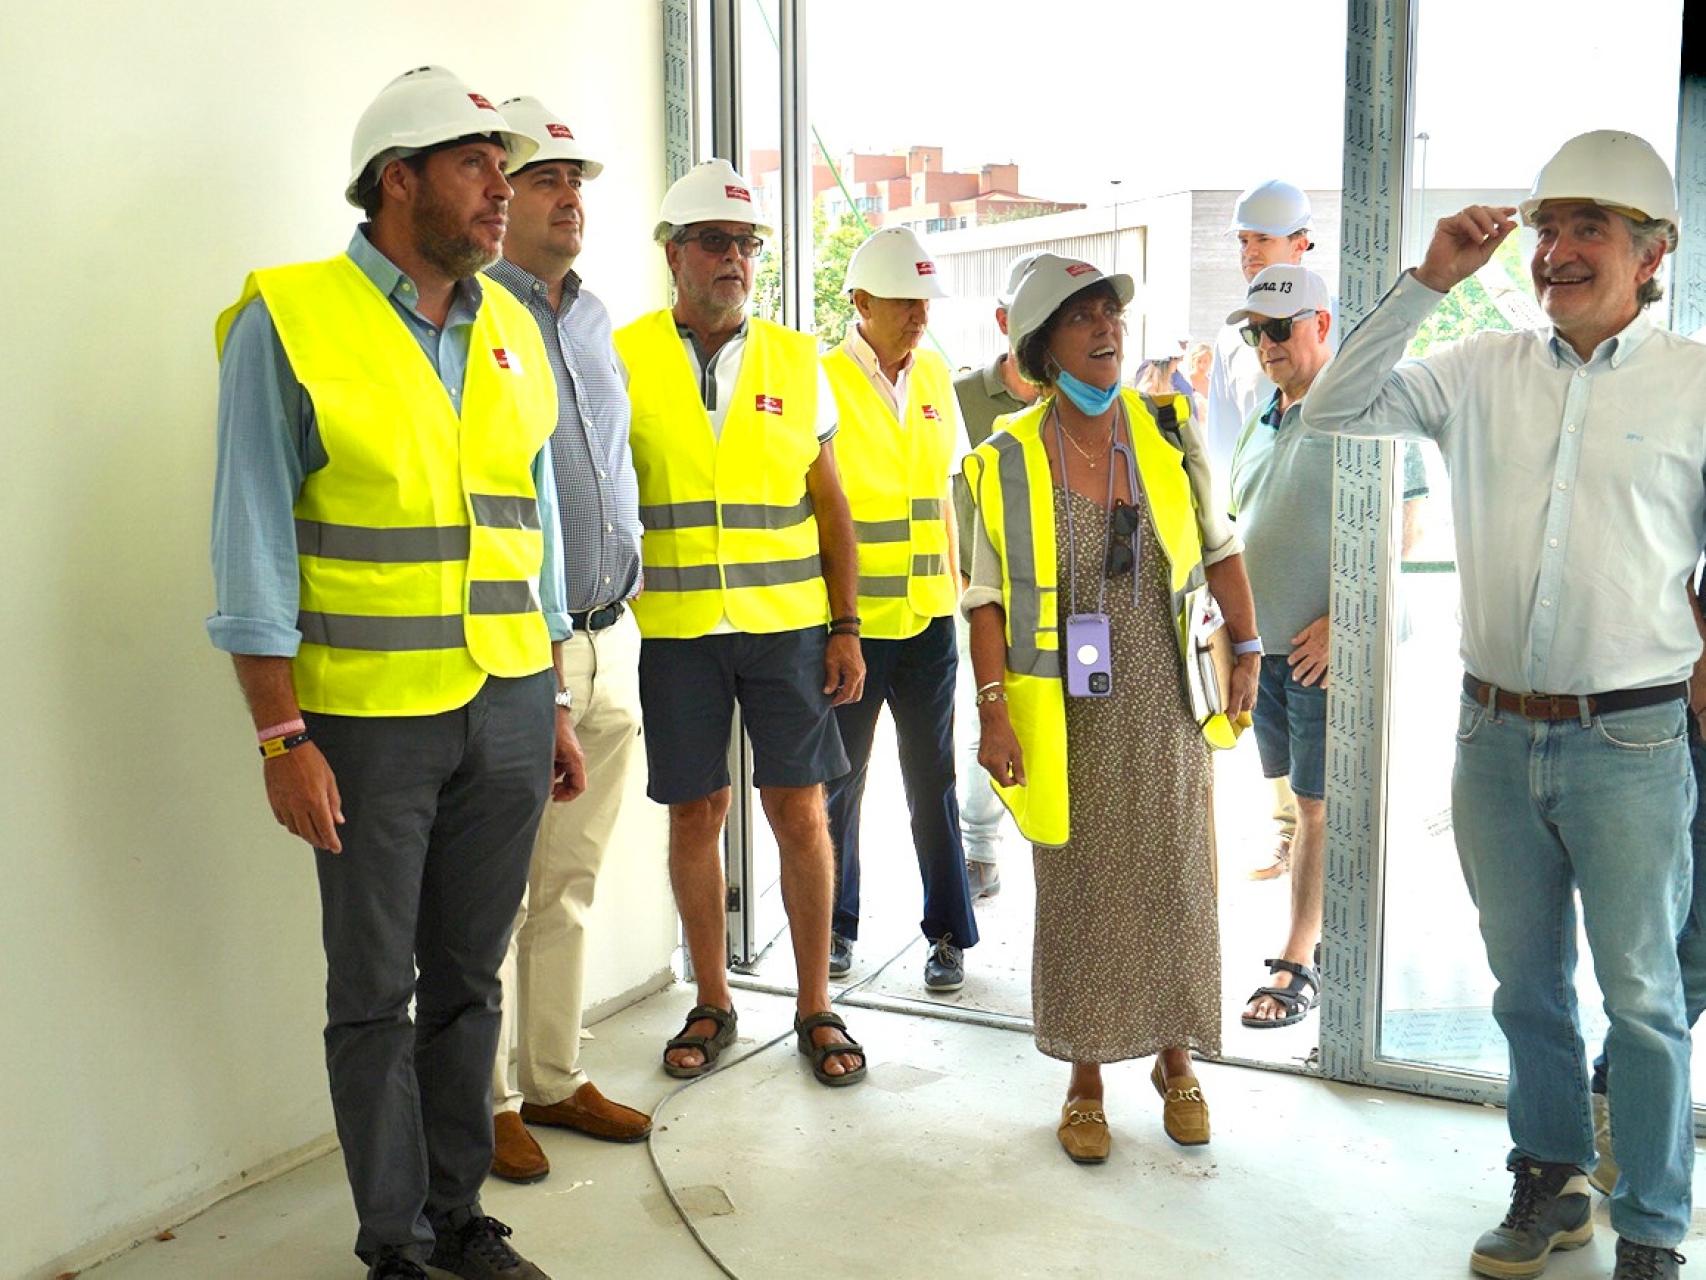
<point>394,1266</point>
<point>944,967</point>
<point>840,956</point>
<point>1645,1261</point>
<point>1550,1209</point>
<point>479,1250</point>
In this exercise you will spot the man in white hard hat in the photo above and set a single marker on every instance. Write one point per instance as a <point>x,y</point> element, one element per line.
<point>748,553</point>
<point>388,565</point>
<point>1282,496</point>
<point>898,427</point>
<point>598,500</point>
<point>984,395</point>
<point>1576,456</point>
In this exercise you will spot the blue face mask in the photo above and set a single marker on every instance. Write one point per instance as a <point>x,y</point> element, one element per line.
<point>1093,401</point>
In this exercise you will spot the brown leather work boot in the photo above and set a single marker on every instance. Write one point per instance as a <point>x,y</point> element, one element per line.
<point>588,1111</point>
<point>516,1157</point>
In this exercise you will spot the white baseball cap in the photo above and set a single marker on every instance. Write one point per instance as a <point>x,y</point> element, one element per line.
<point>1049,281</point>
<point>1283,290</point>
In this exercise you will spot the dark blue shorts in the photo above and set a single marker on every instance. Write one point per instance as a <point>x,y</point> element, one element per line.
<point>1291,728</point>
<point>688,690</point>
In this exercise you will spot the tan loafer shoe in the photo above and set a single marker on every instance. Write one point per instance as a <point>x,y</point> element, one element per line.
<point>1084,1132</point>
<point>1184,1112</point>
<point>588,1111</point>
<point>516,1157</point>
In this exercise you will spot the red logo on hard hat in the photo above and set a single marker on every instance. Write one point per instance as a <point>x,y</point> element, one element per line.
<point>1079,269</point>
<point>925,268</point>
<point>558,130</point>
<point>480,102</point>
<point>737,193</point>
<point>769,404</point>
<point>930,413</point>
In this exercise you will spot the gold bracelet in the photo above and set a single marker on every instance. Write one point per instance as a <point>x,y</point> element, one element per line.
<point>990,695</point>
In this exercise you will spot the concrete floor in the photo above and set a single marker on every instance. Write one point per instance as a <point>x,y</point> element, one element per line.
<point>944,1163</point>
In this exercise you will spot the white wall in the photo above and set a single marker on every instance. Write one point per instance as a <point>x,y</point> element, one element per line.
<point>160,971</point>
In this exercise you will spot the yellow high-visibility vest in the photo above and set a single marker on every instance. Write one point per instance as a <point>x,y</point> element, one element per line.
<point>1009,475</point>
<point>418,542</point>
<point>896,477</point>
<point>729,525</point>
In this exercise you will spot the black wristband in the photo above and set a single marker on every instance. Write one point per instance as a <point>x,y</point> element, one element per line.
<point>845,631</point>
<point>282,745</point>
<point>850,620</point>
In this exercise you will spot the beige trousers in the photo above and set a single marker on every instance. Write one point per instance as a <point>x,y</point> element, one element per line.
<point>544,969</point>
<point>1285,805</point>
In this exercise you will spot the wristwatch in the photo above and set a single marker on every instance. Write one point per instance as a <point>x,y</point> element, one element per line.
<point>565,699</point>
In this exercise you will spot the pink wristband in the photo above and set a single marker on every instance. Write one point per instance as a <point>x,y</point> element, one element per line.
<point>281,730</point>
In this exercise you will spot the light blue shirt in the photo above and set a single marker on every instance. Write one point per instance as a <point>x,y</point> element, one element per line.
<point>1578,489</point>
<point>269,442</point>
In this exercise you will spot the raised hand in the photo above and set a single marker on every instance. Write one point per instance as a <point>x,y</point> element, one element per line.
<point>1463,243</point>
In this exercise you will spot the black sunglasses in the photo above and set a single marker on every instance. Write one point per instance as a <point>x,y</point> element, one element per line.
<point>1278,329</point>
<point>716,243</point>
<point>1123,521</point>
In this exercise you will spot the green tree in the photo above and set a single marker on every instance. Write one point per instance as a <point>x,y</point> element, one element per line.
<point>832,309</point>
<point>1469,307</point>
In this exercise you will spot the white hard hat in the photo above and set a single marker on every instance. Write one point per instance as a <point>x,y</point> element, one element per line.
<point>1282,290</point>
<point>893,264</point>
<point>1050,281</point>
<point>420,109</point>
<point>1273,208</point>
<point>556,140</point>
<point>1611,168</point>
<point>1015,273</point>
<point>1162,344</point>
<point>709,192</point>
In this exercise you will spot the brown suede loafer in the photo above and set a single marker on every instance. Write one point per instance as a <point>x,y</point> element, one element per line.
<point>588,1111</point>
<point>516,1157</point>
<point>1084,1132</point>
<point>1184,1111</point>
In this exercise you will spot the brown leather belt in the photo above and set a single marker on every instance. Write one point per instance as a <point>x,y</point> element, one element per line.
<point>1567,706</point>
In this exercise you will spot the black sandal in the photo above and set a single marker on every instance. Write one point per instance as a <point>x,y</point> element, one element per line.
<point>1296,1003</point>
<point>821,1053</point>
<point>710,1046</point>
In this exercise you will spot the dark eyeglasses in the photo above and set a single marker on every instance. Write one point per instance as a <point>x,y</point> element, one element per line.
<point>716,243</point>
<point>1122,523</point>
<point>1278,329</point>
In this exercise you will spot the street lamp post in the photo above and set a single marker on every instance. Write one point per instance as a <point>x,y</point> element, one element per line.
<point>1115,264</point>
<point>1422,201</point>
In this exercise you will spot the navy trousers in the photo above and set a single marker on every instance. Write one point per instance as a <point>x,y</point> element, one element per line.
<point>916,679</point>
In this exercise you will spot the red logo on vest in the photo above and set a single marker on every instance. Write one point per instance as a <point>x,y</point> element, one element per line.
<point>737,193</point>
<point>481,103</point>
<point>925,268</point>
<point>506,359</point>
<point>558,130</point>
<point>930,412</point>
<point>1079,268</point>
<point>769,404</point>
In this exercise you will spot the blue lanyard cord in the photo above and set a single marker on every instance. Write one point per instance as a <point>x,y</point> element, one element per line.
<point>1139,500</point>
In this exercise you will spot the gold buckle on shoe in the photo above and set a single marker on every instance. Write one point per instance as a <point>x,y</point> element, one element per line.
<point>1085,1117</point>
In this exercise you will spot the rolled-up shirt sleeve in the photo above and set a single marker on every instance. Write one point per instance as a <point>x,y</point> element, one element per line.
<point>1219,539</point>
<point>258,473</point>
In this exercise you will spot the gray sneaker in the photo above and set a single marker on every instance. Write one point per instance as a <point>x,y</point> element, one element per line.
<point>984,879</point>
<point>1604,1175</point>
<point>840,956</point>
<point>1550,1209</point>
<point>944,967</point>
<point>479,1249</point>
<point>1645,1261</point>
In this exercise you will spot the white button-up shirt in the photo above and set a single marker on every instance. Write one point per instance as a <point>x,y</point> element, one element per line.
<point>865,356</point>
<point>1578,490</point>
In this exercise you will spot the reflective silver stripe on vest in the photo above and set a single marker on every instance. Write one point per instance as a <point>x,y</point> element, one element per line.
<point>417,545</point>
<point>775,574</point>
<point>679,515</point>
<point>882,530</point>
<point>501,511</point>
<point>883,587</point>
<point>694,577</point>
<point>928,566</point>
<point>926,509</point>
<point>760,515</point>
<point>1025,599</point>
<point>502,597</point>
<point>389,635</point>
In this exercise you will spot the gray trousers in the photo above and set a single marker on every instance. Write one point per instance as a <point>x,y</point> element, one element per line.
<point>440,818</point>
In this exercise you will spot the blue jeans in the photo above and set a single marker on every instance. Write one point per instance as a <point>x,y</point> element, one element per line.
<point>981,809</point>
<point>1601,805</point>
<point>1691,943</point>
<point>1291,728</point>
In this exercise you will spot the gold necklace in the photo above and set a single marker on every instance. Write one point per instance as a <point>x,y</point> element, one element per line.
<point>1095,464</point>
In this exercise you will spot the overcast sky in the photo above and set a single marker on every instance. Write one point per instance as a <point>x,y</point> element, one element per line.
<point>1221,93</point>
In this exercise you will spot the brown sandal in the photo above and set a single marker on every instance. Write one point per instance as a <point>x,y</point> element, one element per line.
<point>821,1053</point>
<point>710,1046</point>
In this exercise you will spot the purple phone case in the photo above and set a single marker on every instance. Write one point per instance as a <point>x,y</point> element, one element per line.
<point>1089,665</point>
